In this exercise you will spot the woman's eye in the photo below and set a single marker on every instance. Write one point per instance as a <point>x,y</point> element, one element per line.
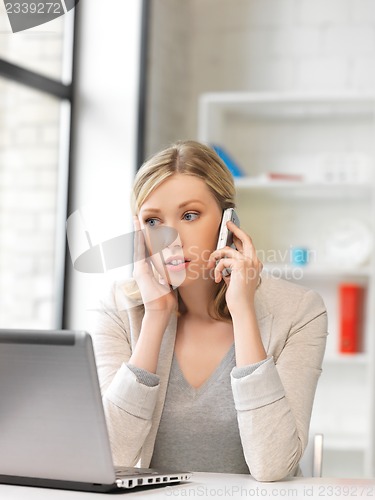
<point>151,222</point>
<point>190,216</point>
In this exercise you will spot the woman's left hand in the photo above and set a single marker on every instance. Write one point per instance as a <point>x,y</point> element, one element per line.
<point>244,265</point>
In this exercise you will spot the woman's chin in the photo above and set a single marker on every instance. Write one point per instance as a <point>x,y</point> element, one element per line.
<point>177,279</point>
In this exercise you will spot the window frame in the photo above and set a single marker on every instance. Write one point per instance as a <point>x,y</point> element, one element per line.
<point>64,92</point>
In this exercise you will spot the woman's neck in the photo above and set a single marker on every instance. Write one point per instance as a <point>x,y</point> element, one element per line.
<point>197,299</point>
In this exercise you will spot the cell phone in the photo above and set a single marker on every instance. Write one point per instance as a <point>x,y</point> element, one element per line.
<point>226,236</point>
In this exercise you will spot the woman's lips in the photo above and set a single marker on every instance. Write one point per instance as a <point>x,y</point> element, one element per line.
<point>174,268</point>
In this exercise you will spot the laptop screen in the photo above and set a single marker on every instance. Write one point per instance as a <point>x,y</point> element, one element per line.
<point>52,422</point>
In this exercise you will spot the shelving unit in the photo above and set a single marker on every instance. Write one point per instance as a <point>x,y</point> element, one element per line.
<point>328,141</point>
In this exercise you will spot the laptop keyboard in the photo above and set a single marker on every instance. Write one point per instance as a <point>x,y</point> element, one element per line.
<point>133,471</point>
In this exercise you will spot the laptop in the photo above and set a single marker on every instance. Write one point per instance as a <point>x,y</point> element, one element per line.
<point>52,425</point>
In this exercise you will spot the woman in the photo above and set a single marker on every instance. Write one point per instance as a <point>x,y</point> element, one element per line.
<point>202,370</point>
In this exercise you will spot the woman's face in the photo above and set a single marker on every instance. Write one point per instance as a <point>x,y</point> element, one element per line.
<point>185,204</point>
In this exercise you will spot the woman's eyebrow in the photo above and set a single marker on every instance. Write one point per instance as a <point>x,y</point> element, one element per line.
<point>181,205</point>
<point>188,203</point>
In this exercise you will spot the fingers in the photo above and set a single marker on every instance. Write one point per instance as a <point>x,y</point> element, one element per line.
<point>246,270</point>
<point>224,252</point>
<point>219,269</point>
<point>158,263</point>
<point>242,241</point>
<point>229,258</point>
<point>139,241</point>
<point>238,243</point>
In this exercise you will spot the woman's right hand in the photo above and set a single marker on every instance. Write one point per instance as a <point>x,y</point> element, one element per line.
<point>156,295</point>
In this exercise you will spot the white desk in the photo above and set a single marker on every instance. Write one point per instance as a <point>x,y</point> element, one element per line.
<point>221,486</point>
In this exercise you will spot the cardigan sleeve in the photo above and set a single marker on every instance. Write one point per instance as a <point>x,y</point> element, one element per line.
<point>274,402</point>
<point>128,403</point>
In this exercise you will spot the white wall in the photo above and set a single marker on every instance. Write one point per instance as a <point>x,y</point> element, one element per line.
<point>169,74</point>
<point>262,45</point>
<point>254,45</point>
<point>105,141</point>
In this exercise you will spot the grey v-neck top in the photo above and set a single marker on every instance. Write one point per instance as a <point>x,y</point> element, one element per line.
<point>198,428</point>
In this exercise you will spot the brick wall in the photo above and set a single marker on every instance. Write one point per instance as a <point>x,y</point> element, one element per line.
<point>255,45</point>
<point>29,142</point>
<point>322,45</point>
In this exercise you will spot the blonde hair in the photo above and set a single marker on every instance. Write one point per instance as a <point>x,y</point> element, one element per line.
<point>190,158</point>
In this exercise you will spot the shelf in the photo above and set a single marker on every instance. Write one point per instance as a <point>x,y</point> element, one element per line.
<point>262,183</point>
<point>359,359</point>
<point>273,105</point>
<point>335,98</point>
<point>303,188</point>
<point>309,166</point>
<point>287,271</point>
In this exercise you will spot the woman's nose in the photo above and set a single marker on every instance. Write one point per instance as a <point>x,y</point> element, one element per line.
<point>174,238</point>
<point>163,237</point>
<point>177,241</point>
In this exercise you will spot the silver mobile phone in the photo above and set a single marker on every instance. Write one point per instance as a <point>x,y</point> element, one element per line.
<point>226,236</point>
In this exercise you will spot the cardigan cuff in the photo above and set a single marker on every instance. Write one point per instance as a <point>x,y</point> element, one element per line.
<point>242,371</point>
<point>143,376</point>
<point>126,392</point>
<point>260,388</point>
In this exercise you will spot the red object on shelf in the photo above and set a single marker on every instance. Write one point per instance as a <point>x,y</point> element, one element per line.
<point>279,176</point>
<point>351,312</point>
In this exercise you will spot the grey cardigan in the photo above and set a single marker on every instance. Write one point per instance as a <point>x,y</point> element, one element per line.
<point>273,403</point>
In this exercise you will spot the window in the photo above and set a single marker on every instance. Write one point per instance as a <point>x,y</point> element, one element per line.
<point>35,109</point>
